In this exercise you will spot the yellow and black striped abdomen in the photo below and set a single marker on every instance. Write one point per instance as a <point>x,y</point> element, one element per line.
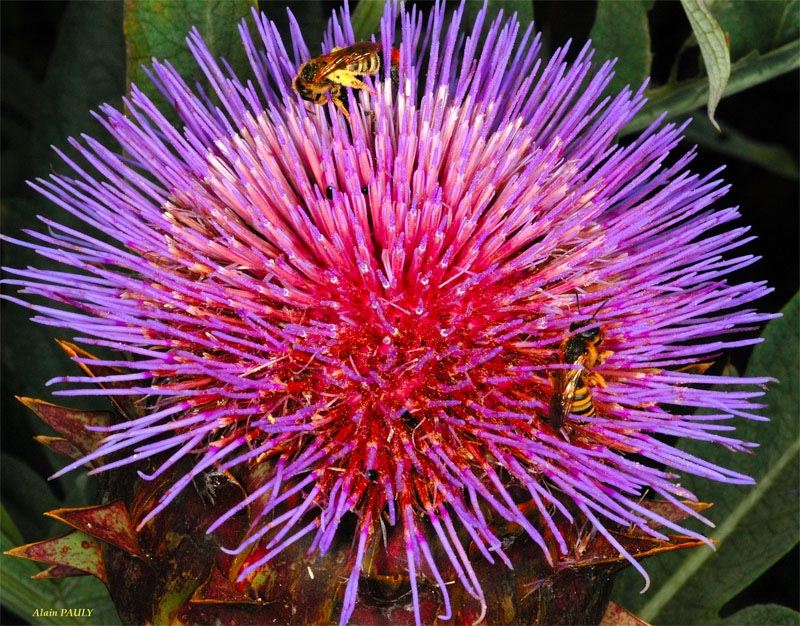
<point>366,66</point>
<point>582,403</point>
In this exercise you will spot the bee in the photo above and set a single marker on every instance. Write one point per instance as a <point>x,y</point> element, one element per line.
<point>571,393</point>
<point>322,78</point>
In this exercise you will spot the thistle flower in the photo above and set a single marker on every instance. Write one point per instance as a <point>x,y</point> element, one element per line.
<point>373,315</point>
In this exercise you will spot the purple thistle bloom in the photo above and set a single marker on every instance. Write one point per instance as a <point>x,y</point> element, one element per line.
<point>380,310</point>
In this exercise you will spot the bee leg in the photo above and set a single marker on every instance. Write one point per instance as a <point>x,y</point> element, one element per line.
<point>348,79</point>
<point>337,100</point>
<point>601,358</point>
<point>321,98</point>
<point>315,99</point>
<point>597,380</point>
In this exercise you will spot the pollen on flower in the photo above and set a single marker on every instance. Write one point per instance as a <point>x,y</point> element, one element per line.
<point>464,305</point>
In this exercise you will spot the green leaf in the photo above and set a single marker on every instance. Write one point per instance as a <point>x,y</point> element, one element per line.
<point>621,30</point>
<point>756,525</point>
<point>757,24</point>
<point>158,28</point>
<point>86,69</point>
<point>713,47</point>
<point>89,592</point>
<point>688,95</point>
<point>366,18</point>
<point>523,9</point>
<point>763,614</point>
<point>27,494</point>
<point>772,158</point>
<point>9,529</point>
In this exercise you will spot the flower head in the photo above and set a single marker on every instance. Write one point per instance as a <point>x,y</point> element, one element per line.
<point>465,301</point>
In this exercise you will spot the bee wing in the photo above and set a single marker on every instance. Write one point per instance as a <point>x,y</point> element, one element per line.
<point>341,58</point>
<point>564,384</point>
<point>567,395</point>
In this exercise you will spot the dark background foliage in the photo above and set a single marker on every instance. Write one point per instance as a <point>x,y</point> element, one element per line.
<point>61,59</point>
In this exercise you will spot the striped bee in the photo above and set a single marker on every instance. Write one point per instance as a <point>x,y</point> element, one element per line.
<point>571,387</point>
<point>323,77</point>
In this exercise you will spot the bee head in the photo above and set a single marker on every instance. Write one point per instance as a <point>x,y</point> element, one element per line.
<point>303,80</point>
<point>585,329</point>
<point>308,71</point>
<point>300,88</point>
<point>580,329</point>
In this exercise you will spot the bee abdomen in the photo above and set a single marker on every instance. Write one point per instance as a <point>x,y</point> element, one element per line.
<point>582,403</point>
<point>367,66</point>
